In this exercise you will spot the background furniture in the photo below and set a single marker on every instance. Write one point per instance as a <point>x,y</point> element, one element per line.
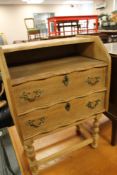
<point>3,40</point>
<point>112,113</point>
<point>53,85</point>
<point>71,25</point>
<point>111,35</point>
<point>32,32</point>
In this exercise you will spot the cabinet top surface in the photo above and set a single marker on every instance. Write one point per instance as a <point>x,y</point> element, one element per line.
<point>45,43</point>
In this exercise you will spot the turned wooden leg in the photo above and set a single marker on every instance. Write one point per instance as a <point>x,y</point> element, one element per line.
<point>95,132</point>
<point>30,153</point>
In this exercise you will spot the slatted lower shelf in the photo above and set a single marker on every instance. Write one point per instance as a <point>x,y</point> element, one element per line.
<point>65,151</point>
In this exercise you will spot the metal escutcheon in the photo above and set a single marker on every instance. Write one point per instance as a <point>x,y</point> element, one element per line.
<point>67,106</point>
<point>66,80</point>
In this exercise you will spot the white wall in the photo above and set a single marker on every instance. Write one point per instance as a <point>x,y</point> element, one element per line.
<point>115,5</point>
<point>12,16</point>
<point>109,7</point>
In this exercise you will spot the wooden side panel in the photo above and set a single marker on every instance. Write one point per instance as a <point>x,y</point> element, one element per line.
<point>97,50</point>
<point>8,89</point>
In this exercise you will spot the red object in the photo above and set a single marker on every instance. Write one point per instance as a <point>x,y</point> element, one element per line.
<point>69,25</point>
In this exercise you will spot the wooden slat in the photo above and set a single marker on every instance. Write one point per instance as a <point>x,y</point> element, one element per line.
<point>66,151</point>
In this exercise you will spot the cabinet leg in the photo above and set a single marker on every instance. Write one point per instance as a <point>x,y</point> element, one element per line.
<point>114,133</point>
<point>95,132</point>
<point>30,153</point>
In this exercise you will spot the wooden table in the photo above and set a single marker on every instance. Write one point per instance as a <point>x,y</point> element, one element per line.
<point>112,113</point>
<point>69,25</point>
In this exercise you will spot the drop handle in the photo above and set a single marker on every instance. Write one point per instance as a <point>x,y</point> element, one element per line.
<point>31,96</point>
<point>93,80</point>
<point>93,104</point>
<point>66,80</point>
<point>36,123</point>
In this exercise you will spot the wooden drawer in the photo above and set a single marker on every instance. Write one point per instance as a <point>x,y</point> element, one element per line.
<point>43,93</point>
<point>43,121</point>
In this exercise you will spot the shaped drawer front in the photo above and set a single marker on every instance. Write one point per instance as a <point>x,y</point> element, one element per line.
<point>43,93</point>
<point>43,121</point>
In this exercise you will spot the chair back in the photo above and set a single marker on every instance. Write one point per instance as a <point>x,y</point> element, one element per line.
<point>3,40</point>
<point>29,23</point>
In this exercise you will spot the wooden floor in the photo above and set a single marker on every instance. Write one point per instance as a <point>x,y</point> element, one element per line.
<point>86,161</point>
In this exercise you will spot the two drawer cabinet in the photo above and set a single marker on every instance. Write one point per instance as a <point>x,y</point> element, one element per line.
<point>49,91</point>
<point>55,84</point>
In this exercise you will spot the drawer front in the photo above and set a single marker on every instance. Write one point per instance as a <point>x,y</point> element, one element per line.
<point>61,115</point>
<point>43,93</point>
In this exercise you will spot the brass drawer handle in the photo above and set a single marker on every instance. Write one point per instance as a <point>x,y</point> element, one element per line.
<point>93,81</point>
<point>28,96</point>
<point>93,104</point>
<point>67,106</point>
<point>66,80</point>
<point>36,123</point>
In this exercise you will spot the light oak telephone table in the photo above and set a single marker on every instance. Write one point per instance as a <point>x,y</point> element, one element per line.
<point>55,84</point>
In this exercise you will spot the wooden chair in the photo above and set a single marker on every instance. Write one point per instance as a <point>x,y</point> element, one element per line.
<point>3,40</point>
<point>32,32</point>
